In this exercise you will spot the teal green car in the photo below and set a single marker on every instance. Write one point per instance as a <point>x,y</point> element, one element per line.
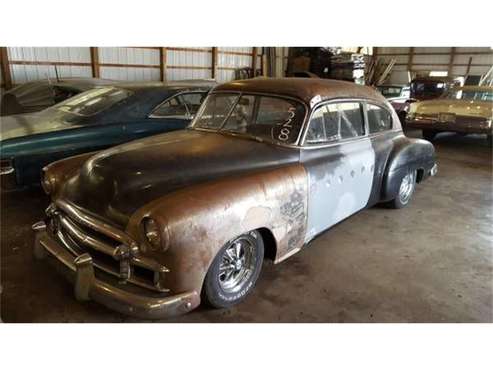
<point>93,120</point>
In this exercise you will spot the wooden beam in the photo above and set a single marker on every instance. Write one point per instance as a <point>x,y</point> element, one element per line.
<point>410,59</point>
<point>235,53</point>
<point>46,63</point>
<point>162,63</point>
<point>5,67</point>
<point>446,64</point>
<point>156,66</point>
<point>254,60</point>
<point>190,49</point>
<point>95,62</point>
<point>214,63</point>
<point>188,67</point>
<point>468,68</point>
<point>440,53</point>
<point>451,61</point>
<point>375,51</point>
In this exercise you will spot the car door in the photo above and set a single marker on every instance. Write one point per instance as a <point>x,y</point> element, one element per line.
<point>339,159</point>
<point>174,113</point>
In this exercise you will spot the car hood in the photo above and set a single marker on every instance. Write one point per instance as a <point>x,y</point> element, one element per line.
<point>459,107</point>
<point>16,126</point>
<point>118,181</point>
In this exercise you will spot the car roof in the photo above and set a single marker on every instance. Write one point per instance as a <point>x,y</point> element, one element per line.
<point>309,90</point>
<point>172,85</point>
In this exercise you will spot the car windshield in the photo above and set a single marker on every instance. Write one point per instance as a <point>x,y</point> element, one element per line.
<point>93,101</point>
<point>262,117</point>
<point>470,95</point>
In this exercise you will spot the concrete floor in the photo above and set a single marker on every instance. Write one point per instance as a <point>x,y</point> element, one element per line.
<point>429,262</point>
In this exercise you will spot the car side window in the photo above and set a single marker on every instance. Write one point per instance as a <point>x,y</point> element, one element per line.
<point>316,129</point>
<point>171,108</point>
<point>335,121</point>
<point>179,106</point>
<point>192,101</point>
<point>379,119</point>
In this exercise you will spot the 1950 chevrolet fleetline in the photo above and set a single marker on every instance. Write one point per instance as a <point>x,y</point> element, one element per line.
<point>152,227</point>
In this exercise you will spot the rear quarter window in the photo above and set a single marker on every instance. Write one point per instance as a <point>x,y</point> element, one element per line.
<point>379,119</point>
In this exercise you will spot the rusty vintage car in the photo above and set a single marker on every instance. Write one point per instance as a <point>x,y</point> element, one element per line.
<point>153,227</point>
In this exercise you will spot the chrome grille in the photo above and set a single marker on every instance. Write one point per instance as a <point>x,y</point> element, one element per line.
<point>112,251</point>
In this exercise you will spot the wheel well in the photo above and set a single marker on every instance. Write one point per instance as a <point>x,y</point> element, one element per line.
<point>419,174</point>
<point>270,246</point>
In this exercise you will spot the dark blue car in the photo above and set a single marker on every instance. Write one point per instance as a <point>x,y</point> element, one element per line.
<point>93,120</point>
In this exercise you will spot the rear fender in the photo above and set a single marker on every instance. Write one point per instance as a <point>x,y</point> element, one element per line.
<point>407,154</point>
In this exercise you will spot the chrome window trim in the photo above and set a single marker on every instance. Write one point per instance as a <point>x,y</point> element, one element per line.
<point>304,144</point>
<point>392,122</point>
<point>308,112</point>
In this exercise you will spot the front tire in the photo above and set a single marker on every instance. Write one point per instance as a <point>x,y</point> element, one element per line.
<point>406,190</point>
<point>234,271</point>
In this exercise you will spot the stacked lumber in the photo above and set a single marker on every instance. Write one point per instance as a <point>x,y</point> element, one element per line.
<point>349,67</point>
<point>378,71</point>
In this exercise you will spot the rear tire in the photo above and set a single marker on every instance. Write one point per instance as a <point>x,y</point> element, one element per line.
<point>429,135</point>
<point>234,271</point>
<point>402,117</point>
<point>406,190</point>
<point>490,141</point>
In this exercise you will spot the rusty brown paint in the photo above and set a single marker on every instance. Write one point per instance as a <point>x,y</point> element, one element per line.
<point>57,173</point>
<point>274,199</point>
<point>309,90</point>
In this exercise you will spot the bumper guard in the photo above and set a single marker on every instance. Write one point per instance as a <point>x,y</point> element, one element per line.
<point>86,286</point>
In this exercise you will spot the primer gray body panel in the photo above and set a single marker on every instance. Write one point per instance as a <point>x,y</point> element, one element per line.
<point>340,180</point>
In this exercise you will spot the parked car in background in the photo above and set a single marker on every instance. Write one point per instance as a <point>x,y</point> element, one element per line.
<point>93,120</point>
<point>464,110</point>
<point>392,92</point>
<point>38,95</point>
<point>423,88</point>
<point>188,216</point>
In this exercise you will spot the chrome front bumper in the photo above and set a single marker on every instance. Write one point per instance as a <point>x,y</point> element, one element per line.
<point>87,286</point>
<point>434,170</point>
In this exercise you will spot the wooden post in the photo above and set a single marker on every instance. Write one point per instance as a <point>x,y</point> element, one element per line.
<point>162,63</point>
<point>451,62</point>
<point>254,61</point>
<point>214,63</point>
<point>95,62</point>
<point>5,67</point>
<point>410,59</point>
<point>468,69</point>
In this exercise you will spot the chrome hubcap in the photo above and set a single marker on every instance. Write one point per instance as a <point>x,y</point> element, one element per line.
<point>407,186</point>
<point>238,262</point>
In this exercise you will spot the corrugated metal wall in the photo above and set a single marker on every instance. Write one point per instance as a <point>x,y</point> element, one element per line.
<point>179,61</point>
<point>29,63</point>
<point>230,58</point>
<point>141,64</point>
<point>424,60</point>
<point>126,63</point>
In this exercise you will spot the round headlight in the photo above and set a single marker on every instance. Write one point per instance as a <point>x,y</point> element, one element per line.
<point>151,232</point>
<point>46,183</point>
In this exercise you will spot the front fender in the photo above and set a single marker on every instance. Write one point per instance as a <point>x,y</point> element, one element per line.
<point>407,154</point>
<point>199,220</point>
<point>60,171</point>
